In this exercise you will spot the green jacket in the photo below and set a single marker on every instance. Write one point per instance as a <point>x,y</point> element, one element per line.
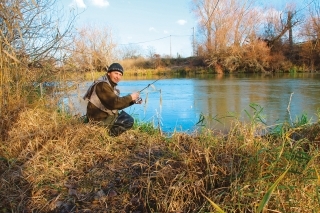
<point>106,92</point>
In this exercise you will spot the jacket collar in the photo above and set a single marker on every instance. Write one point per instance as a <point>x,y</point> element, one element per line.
<point>111,82</point>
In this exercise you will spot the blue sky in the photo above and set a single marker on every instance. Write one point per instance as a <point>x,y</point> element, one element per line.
<point>165,25</point>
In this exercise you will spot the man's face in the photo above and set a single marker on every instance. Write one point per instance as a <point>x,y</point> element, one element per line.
<point>115,76</point>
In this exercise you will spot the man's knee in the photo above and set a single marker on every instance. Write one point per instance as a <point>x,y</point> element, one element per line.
<point>123,123</point>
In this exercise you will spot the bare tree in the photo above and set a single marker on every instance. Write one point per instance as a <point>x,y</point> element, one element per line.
<point>93,49</point>
<point>29,31</point>
<point>131,51</point>
<point>151,51</point>
<point>154,58</point>
<point>226,23</point>
<point>228,27</point>
<point>280,23</point>
<point>310,32</point>
<point>204,10</point>
<point>34,28</point>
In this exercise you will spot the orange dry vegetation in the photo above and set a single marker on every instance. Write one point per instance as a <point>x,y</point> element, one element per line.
<point>51,162</point>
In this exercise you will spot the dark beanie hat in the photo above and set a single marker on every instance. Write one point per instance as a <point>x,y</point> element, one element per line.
<point>115,67</point>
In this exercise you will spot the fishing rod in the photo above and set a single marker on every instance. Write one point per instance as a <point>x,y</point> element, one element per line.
<point>140,99</point>
<point>150,84</point>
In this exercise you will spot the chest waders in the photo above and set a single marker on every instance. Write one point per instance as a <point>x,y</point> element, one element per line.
<point>122,123</point>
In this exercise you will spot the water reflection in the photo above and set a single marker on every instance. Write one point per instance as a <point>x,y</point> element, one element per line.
<point>179,103</point>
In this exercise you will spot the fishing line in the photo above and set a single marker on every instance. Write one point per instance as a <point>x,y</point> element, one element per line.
<point>150,84</point>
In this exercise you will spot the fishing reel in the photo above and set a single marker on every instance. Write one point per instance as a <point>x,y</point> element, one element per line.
<point>138,101</point>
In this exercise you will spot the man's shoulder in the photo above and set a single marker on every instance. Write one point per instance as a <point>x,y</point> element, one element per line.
<point>103,86</point>
<point>101,79</point>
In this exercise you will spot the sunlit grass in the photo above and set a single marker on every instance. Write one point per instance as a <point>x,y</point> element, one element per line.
<point>53,161</point>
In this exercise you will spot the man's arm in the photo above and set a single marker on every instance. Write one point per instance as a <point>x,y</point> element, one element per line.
<point>109,99</point>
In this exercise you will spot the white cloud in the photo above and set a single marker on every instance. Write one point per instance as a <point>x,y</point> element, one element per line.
<point>182,22</point>
<point>100,3</point>
<point>78,3</point>
<point>165,32</point>
<point>152,29</point>
<point>81,4</point>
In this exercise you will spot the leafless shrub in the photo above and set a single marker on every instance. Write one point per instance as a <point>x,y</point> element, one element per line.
<point>93,49</point>
<point>252,57</point>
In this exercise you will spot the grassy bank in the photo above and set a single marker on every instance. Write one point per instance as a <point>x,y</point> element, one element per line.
<point>51,162</point>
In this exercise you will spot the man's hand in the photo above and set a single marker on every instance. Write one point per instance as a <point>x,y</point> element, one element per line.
<point>136,97</point>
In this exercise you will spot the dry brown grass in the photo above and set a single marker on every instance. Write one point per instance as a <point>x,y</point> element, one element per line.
<point>54,163</point>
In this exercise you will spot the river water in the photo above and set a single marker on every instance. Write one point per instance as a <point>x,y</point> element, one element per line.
<point>178,104</point>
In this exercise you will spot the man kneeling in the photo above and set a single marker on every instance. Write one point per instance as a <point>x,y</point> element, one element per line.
<point>104,102</point>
